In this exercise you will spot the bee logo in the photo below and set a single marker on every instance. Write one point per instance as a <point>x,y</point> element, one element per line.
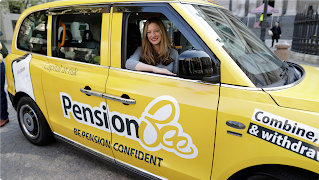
<point>159,128</point>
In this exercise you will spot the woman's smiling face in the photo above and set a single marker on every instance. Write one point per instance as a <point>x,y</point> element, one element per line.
<point>154,34</point>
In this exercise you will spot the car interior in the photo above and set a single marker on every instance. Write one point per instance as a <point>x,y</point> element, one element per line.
<point>82,36</point>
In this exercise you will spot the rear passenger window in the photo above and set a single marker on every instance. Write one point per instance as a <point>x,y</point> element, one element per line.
<point>77,37</point>
<point>32,34</point>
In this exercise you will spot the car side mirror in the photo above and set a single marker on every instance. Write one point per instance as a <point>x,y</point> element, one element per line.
<point>197,65</point>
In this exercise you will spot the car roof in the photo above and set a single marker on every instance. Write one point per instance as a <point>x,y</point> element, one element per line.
<point>63,3</point>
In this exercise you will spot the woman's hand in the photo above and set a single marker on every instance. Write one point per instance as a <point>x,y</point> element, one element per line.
<point>162,71</point>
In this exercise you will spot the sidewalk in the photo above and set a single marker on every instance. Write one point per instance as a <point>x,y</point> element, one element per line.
<point>286,24</point>
<point>268,44</point>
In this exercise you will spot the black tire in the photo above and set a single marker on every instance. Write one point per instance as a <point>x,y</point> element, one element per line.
<point>277,172</point>
<point>32,122</point>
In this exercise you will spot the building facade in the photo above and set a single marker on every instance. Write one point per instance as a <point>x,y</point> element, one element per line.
<point>241,8</point>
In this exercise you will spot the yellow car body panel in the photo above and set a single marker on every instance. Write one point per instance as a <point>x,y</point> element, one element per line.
<point>202,2</point>
<point>116,34</point>
<point>49,33</point>
<point>302,96</point>
<point>204,102</point>
<point>70,110</point>
<point>105,39</point>
<point>246,151</point>
<point>9,74</point>
<point>36,72</point>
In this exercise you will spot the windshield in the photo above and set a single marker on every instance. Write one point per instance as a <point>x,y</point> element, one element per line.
<point>256,60</point>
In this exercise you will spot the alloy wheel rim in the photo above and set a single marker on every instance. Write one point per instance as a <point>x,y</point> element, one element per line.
<point>29,121</point>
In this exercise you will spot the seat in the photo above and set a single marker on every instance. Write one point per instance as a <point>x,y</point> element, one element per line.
<point>68,38</point>
<point>68,43</point>
<point>88,40</point>
<point>134,39</point>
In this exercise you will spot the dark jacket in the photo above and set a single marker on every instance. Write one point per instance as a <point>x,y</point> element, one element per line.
<point>4,50</point>
<point>276,32</point>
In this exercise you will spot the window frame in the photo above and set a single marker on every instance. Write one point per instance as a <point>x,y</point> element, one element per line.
<point>46,30</point>
<point>167,10</point>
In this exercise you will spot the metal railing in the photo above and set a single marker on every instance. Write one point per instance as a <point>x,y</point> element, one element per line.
<point>306,29</point>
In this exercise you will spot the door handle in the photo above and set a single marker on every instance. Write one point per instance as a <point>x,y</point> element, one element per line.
<point>108,96</point>
<point>235,124</point>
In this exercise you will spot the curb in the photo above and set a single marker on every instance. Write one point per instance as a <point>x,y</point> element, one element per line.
<point>305,57</point>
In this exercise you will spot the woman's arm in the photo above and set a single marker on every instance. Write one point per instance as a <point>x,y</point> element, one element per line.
<point>134,59</point>
<point>145,67</point>
<point>134,63</point>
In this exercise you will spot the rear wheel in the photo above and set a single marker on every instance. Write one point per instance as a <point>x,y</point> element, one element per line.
<point>32,122</point>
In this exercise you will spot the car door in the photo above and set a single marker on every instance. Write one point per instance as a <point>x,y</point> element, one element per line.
<point>162,125</point>
<point>72,70</point>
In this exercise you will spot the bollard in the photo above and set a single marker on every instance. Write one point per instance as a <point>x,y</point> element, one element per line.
<point>282,50</point>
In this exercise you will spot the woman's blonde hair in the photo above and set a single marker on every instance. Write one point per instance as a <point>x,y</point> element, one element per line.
<point>149,56</point>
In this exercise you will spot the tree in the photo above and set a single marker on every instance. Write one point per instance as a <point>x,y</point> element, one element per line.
<point>18,6</point>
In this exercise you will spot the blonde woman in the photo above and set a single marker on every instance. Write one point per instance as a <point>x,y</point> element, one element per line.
<point>156,54</point>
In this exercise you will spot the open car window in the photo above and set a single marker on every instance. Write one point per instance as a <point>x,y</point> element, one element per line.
<point>134,33</point>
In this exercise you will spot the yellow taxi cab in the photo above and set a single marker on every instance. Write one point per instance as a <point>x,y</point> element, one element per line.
<point>234,110</point>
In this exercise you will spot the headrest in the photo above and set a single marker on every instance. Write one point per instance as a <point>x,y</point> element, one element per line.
<point>133,32</point>
<point>87,36</point>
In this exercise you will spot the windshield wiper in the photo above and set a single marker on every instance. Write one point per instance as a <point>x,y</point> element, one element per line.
<point>286,69</point>
<point>284,72</point>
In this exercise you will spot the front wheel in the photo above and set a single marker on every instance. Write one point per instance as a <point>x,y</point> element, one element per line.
<point>275,172</point>
<point>32,122</point>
